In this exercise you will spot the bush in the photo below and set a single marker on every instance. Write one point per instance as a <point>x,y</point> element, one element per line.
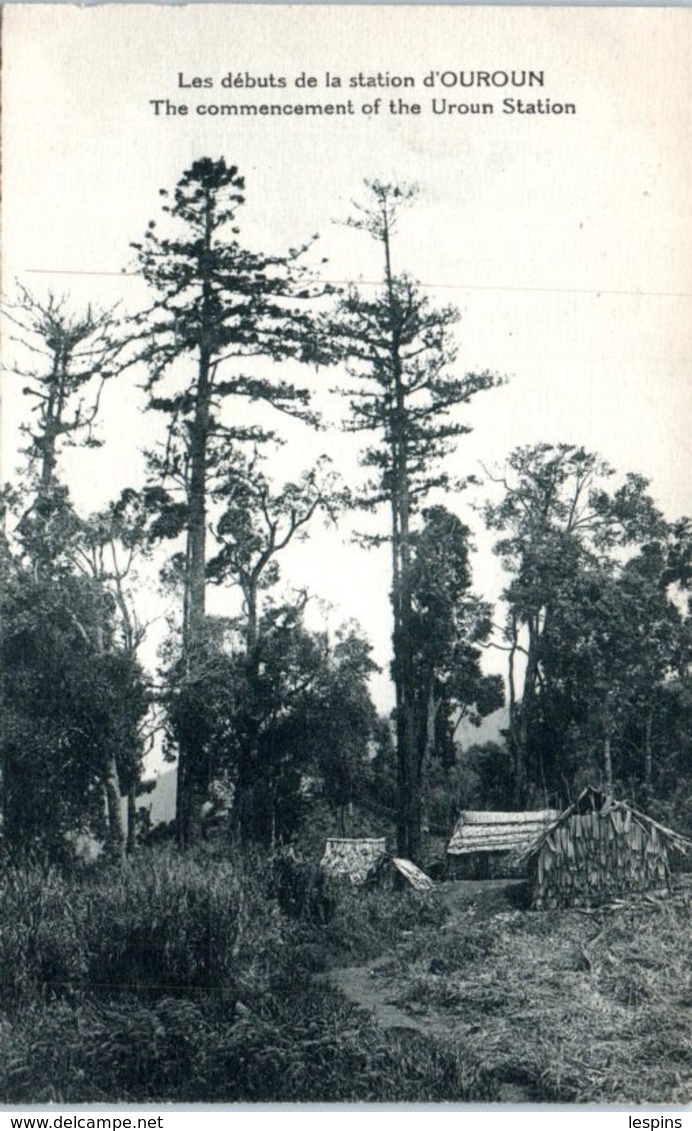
<point>181,980</point>
<point>303,890</point>
<point>367,922</point>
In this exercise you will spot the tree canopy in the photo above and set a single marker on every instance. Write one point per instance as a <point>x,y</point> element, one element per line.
<point>264,706</point>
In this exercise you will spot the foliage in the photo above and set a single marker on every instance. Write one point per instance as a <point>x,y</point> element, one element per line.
<point>593,631</point>
<point>65,357</point>
<point>380,785</point>
<point>301,729</point>
<point>303,890</point>
<point>256,525</point>
<point>573,1008</point>
<point>175,979</point>
<point>399,350</point>
<point>70,705</point>
<point>217,306</point>
<point>367,922</point>
<point>179,979</point>
<point>159,925</point>
<point>491,769</point>
<point>190,938</point>
<point>307,1048</point>
<point>449,626</point>
<point>73,706</point>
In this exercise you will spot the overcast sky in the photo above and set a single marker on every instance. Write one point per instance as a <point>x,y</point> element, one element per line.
<point>564,239</point>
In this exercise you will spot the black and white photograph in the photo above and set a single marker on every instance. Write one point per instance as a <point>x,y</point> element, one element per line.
<point>345,557</point>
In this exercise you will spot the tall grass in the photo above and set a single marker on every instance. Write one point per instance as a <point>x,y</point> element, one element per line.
<point>163,924</point>
<point>308,1048</point>
<point>184,980</point>
<point>573,1007</point>
<point>367,923</point>
<point>192,980</point>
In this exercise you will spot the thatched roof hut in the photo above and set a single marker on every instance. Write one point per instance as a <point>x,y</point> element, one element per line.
<point>486,844</point>
<point>365,860</point>
<point>357,859</point>
<point>597,850</point>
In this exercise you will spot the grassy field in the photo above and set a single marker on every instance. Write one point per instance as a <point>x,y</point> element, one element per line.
<point>199,979</point>
<point>559,1006</point>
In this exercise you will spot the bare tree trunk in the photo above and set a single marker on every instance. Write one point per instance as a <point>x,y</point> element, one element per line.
<point>527,711</point>
<point>608,764</point>
<point>607,748</point>
<point>648,752</point>
<point>516,731</point>
<point>115,837</point>
<point>408,756</point>
<point>430,720</point>
<point>248,769</point>
<point>115,840</point>
<point>190,770</point>
<point>131,844</point>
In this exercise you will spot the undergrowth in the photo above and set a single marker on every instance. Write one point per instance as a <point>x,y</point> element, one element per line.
<point>161,925</point>
<point>194,980</point>
<point>313,1047</point>
<point>188,980</point>
<point>575,1007</point>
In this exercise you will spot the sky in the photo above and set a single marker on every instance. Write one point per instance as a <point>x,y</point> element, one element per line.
<point>563,239</point>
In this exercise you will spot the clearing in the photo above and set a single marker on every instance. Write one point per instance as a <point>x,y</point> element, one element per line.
<point>559,1006</point>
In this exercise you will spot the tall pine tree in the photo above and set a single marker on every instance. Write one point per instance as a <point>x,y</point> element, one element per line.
<point>218,308</point>
<point>399,350</point>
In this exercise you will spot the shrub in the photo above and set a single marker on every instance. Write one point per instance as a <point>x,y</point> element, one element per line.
<point>303,890</point>
<point>367,922</point>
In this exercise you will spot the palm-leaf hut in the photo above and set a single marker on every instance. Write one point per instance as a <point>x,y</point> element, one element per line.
<point>365,860</point>
<point>597,850</point>
<point>357,859</point>
<point>485,844</point>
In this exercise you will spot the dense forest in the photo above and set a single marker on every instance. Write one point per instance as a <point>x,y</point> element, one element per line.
<point>265,717</point>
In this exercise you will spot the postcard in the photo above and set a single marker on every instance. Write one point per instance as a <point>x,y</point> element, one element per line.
<point>345,639</point>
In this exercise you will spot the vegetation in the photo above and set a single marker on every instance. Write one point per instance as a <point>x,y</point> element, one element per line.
<point>182,979</point>
<point>566,1007</point>
<point>225,966</point>
<point>399,350</point>
<point>217,307</point>
<point>596,625</point>
<point>255,704</point>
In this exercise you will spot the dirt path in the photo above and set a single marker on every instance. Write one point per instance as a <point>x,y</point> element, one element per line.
<point>367,985</point>
<point>359,984</point>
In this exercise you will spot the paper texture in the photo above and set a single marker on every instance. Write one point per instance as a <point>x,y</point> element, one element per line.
<point>552,151</point>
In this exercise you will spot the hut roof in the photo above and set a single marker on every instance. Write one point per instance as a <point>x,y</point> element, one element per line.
<point>592,800</point>
<point>415,876</point>
<point>478,831</point>
<point>355,859</point>
<point>363,859</point>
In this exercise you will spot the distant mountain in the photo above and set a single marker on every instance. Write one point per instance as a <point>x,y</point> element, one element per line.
<point>161,800</point>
